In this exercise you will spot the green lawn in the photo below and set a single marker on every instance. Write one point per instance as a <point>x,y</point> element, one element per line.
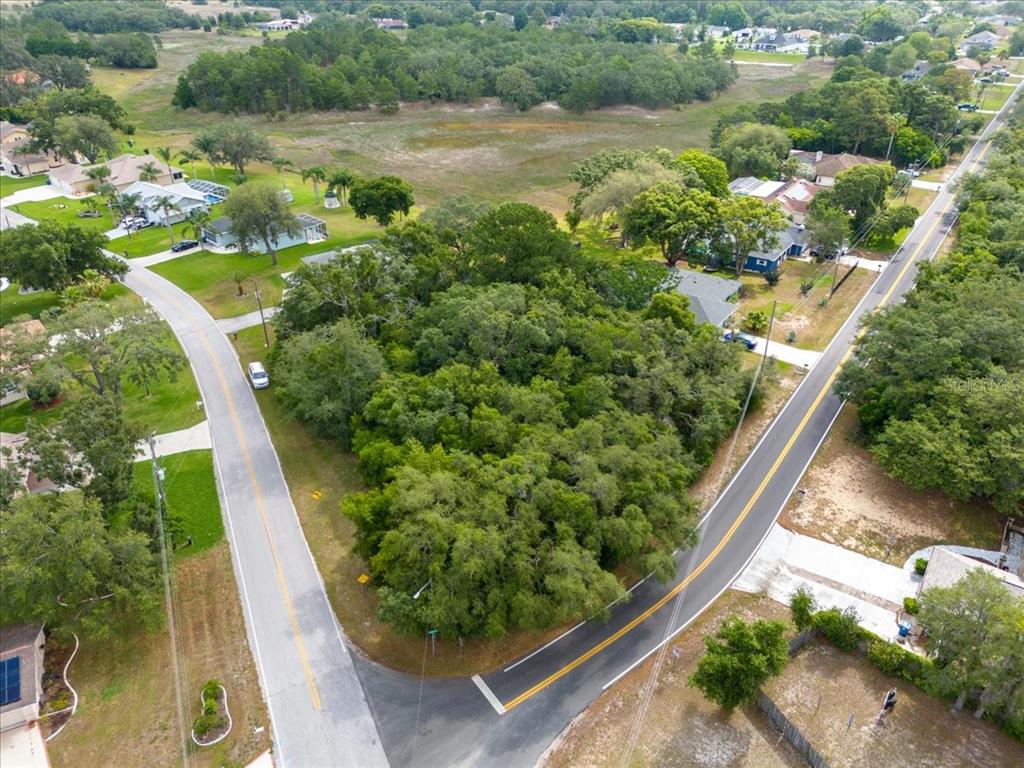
<point>995,97</point>
<point>65,211</point>
<point>171,405</point>
<point>208,276</point>
<point>772,58</point>
<point>191,496</point>
<point>13,304</point>
<point>9,184</point>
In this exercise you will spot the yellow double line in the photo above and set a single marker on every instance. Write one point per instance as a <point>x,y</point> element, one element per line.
<point>589,654</point>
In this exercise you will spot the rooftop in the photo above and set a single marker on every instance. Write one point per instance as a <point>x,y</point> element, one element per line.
<point>946,568</point>
<point>754,187</point>
<point>18,673</point>
<point>708,295</point>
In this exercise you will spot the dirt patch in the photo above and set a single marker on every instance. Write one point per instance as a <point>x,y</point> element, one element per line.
<point>834,699</point>
<point>851,502</point>
<point>127,715</point>
<point>681,728</point>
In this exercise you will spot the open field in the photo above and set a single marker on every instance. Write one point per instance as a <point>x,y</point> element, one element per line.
<point>482,149</point>
<point>126,715</point>
<point>763,57</point>
<point>851,502</point>
<point>813,325</point>
<point>64,210</point>
<point>191,497</point>
<point>995,96</point>
<point>823,688</point>
<point>682,729</point>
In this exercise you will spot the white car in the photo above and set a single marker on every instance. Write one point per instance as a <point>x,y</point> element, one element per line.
<point>258,376</point>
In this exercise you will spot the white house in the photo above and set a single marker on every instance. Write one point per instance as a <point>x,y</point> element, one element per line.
<point>21,674</point>
<point>782,42</point>
<point>744,38</point>
<point>182,196</point>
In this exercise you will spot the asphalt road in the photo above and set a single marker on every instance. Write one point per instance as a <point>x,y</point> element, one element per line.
<point>319,716</point>
<point>318,707</point>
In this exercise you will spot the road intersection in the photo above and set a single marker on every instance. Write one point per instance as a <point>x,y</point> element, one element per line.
<point>331,707</point>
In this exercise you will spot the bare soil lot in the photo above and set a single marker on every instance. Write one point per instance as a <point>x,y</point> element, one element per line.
<point>682,729</point>
<point>850,501</point>
<point>126,715</point>
<point>823,688</point>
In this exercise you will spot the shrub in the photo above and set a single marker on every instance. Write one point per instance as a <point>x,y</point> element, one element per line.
<point>894,660</point>
<point>806,286</point>
<point>43,388</point>
<point>920,566</point>
<point>756,321</point>
<point>801,605</point>
<point>206,723</point>
<point>772,277</point>
<point>791,337</point>
<point>211,690</point>
<point>840,627</point>
<point>910,605</point>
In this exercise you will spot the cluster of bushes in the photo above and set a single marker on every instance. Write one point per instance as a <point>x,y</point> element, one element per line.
<point>210,719</point>
<point>340,64</point>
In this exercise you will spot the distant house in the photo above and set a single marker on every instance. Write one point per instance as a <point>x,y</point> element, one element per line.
<point>781,42</point>
<point>985,40</point>
<point>792,242</point>
<point>710,296</point>
<point>744,38</point>
<point>310,229</point>
<point>390,24</point>
<point>21,674</point>
<point>795,199</point>
<point>824,168</point>
<point>72,179</point>
<point>919,70</point>
<point>184,197</point>
<point>751,186</point>
<point>13,155</point>
<point>946,568</point>
<point>966,65</point>
<point>1001,20</point>
<point>278,25</point>
<point>715,32</point>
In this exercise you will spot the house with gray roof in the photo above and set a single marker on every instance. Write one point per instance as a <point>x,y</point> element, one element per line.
<point>711,297</point>
<point>21,674</point>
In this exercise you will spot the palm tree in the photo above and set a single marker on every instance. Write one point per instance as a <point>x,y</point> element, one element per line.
<point>166,206</point>
<point>341,179</point>
<point>165,154</point>
<point>127,204</point>
<point>207,145</point>
<point>893,123</point>
<point>148,172</point>
<point>93,283</point>
<point>195,220</point>
<point>97,175</point>
<point>317,174</point>
<point>189,156</point>
<point>280,164</point>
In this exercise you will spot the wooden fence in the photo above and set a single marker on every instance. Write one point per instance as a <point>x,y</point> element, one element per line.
<point>793,735</point>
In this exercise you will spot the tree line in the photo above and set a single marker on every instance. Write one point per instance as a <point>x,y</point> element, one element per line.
<point>339,64</point>
<point>939,378</point>
<point>526,418</point>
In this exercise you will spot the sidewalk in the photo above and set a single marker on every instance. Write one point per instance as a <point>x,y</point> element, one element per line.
<point>248,320</point>
<point>835,576</point>
<point>195,438</point>
<point>931,186</point>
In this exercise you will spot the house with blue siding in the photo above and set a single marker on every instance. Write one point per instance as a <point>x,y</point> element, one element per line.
<point>792,242</point>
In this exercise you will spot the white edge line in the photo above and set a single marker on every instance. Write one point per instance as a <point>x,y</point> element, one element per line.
<point>275,735</point>
<point>489,694</point>
<point>699,613</point>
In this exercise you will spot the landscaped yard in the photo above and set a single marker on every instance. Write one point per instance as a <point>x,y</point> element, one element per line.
<point>13,304</point>
<point>10,184</point>
<point>64,210</point>
<point>813,325</point>
<point>995,97</point>
<point>191,497</point>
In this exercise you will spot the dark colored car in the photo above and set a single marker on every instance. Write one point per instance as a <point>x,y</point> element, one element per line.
<point>967,107</point>
<point>741,338</point>
<point>184,245</point>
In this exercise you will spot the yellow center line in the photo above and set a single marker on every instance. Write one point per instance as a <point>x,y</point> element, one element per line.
<point>589,654</point>
<point>237,423</point>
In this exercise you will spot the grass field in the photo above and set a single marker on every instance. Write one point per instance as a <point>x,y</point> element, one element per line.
<point>14,305</point>
<point>9,184</point>
<point>191,497</point>
<point>995,97</point>
<point>763,57</point>
<point>64,210</point>
<point>482,149</point>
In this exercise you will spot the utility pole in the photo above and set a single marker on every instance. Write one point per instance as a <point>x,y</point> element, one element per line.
<point>263,320</point>
<point>161,507</point>
<point>768,336</point>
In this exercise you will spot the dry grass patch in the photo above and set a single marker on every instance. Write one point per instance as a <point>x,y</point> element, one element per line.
<point>682,729</point>
<point>852,502</point>
<point>127,714</point>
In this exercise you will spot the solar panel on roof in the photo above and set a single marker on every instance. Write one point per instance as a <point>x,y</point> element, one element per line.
<point>10,680</point>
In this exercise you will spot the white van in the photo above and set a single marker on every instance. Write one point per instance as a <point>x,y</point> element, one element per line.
<point>258,376</point>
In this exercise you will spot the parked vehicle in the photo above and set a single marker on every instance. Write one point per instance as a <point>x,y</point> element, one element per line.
<point>133,223</point>
<point>966,107</point>
<point>88,213</point>
<point>258,376</point>
<point>184,245</point>
<point>741,338</point>
<point>984,79</point>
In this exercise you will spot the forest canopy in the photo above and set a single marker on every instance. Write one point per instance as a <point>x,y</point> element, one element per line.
<point>338,64</point>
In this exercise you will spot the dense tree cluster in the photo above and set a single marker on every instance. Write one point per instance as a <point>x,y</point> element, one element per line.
<point>51,256</point>
<point>339,64</point>
<point>522,431</point>
<point>99,16</point>
<point>938,380</point>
